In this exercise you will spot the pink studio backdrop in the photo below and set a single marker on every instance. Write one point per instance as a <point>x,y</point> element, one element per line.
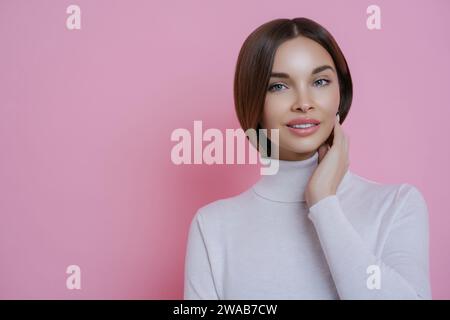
<point>86,117</point>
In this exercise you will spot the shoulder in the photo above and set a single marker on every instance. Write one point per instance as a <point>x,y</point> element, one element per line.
<point>411,203</point>
<point>218,211</point>
<point>398,191</point>
<point>364,186</point>
<point>398,197</point>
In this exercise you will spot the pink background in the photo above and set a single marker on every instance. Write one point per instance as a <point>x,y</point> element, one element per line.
<point>86,117</point>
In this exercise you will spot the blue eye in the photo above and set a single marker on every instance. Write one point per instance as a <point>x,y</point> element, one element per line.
<point>326,81</point>
<point>321,83</point>
<point>275,85</point>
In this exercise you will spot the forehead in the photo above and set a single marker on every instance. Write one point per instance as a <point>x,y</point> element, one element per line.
<point>300,56</point>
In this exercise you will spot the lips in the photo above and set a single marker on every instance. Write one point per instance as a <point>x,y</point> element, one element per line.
<point>304,132</point>
<point>294,126</point>
<point>299,121</point>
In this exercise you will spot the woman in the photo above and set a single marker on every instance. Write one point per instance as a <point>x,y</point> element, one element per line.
<point>314,230</point>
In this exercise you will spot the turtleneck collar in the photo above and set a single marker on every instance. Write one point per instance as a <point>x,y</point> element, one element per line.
<point>289,183</point>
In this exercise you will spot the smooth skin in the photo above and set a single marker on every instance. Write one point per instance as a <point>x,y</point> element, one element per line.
<point>301,92</point>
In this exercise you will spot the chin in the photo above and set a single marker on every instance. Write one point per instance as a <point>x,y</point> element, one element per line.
<point>302,149</point>
<point>302,145</point>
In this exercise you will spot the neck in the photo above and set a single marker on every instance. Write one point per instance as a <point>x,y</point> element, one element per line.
<point>290,182</point>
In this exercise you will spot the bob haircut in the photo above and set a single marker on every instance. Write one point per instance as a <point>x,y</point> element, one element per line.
<point>255,62</point>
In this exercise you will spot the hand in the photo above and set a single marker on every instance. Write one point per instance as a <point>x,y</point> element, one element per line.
<point>333,164</point>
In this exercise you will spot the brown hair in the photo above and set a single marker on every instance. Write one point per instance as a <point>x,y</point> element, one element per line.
<point>255,61</point>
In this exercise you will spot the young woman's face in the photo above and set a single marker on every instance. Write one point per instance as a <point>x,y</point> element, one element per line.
<point>301,93</point>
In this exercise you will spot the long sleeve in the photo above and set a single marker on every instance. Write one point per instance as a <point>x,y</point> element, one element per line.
<point>198,277</point>
<point>403,263</point>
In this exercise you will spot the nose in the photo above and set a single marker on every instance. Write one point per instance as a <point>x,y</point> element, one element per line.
<point>304,107</point>
<point>302,101</point>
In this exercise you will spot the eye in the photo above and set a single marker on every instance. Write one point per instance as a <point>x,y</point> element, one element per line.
<point>276,85</point>
<point>323,85</point>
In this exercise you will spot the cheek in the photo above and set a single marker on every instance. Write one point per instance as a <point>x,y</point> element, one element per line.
<point>329,99</point>
<point>271,115</point>
<point>275,109</point>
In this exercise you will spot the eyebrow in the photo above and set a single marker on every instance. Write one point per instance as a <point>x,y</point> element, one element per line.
<point>316,70</point>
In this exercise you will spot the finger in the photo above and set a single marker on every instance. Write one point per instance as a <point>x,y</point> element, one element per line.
<point>347,143</point>
<point>346,149</point>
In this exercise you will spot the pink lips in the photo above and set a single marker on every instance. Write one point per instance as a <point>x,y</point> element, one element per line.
<point>304,132</point>
<point>302,121</point>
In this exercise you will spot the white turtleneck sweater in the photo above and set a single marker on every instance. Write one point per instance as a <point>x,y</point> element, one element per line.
<point>368,241</point>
